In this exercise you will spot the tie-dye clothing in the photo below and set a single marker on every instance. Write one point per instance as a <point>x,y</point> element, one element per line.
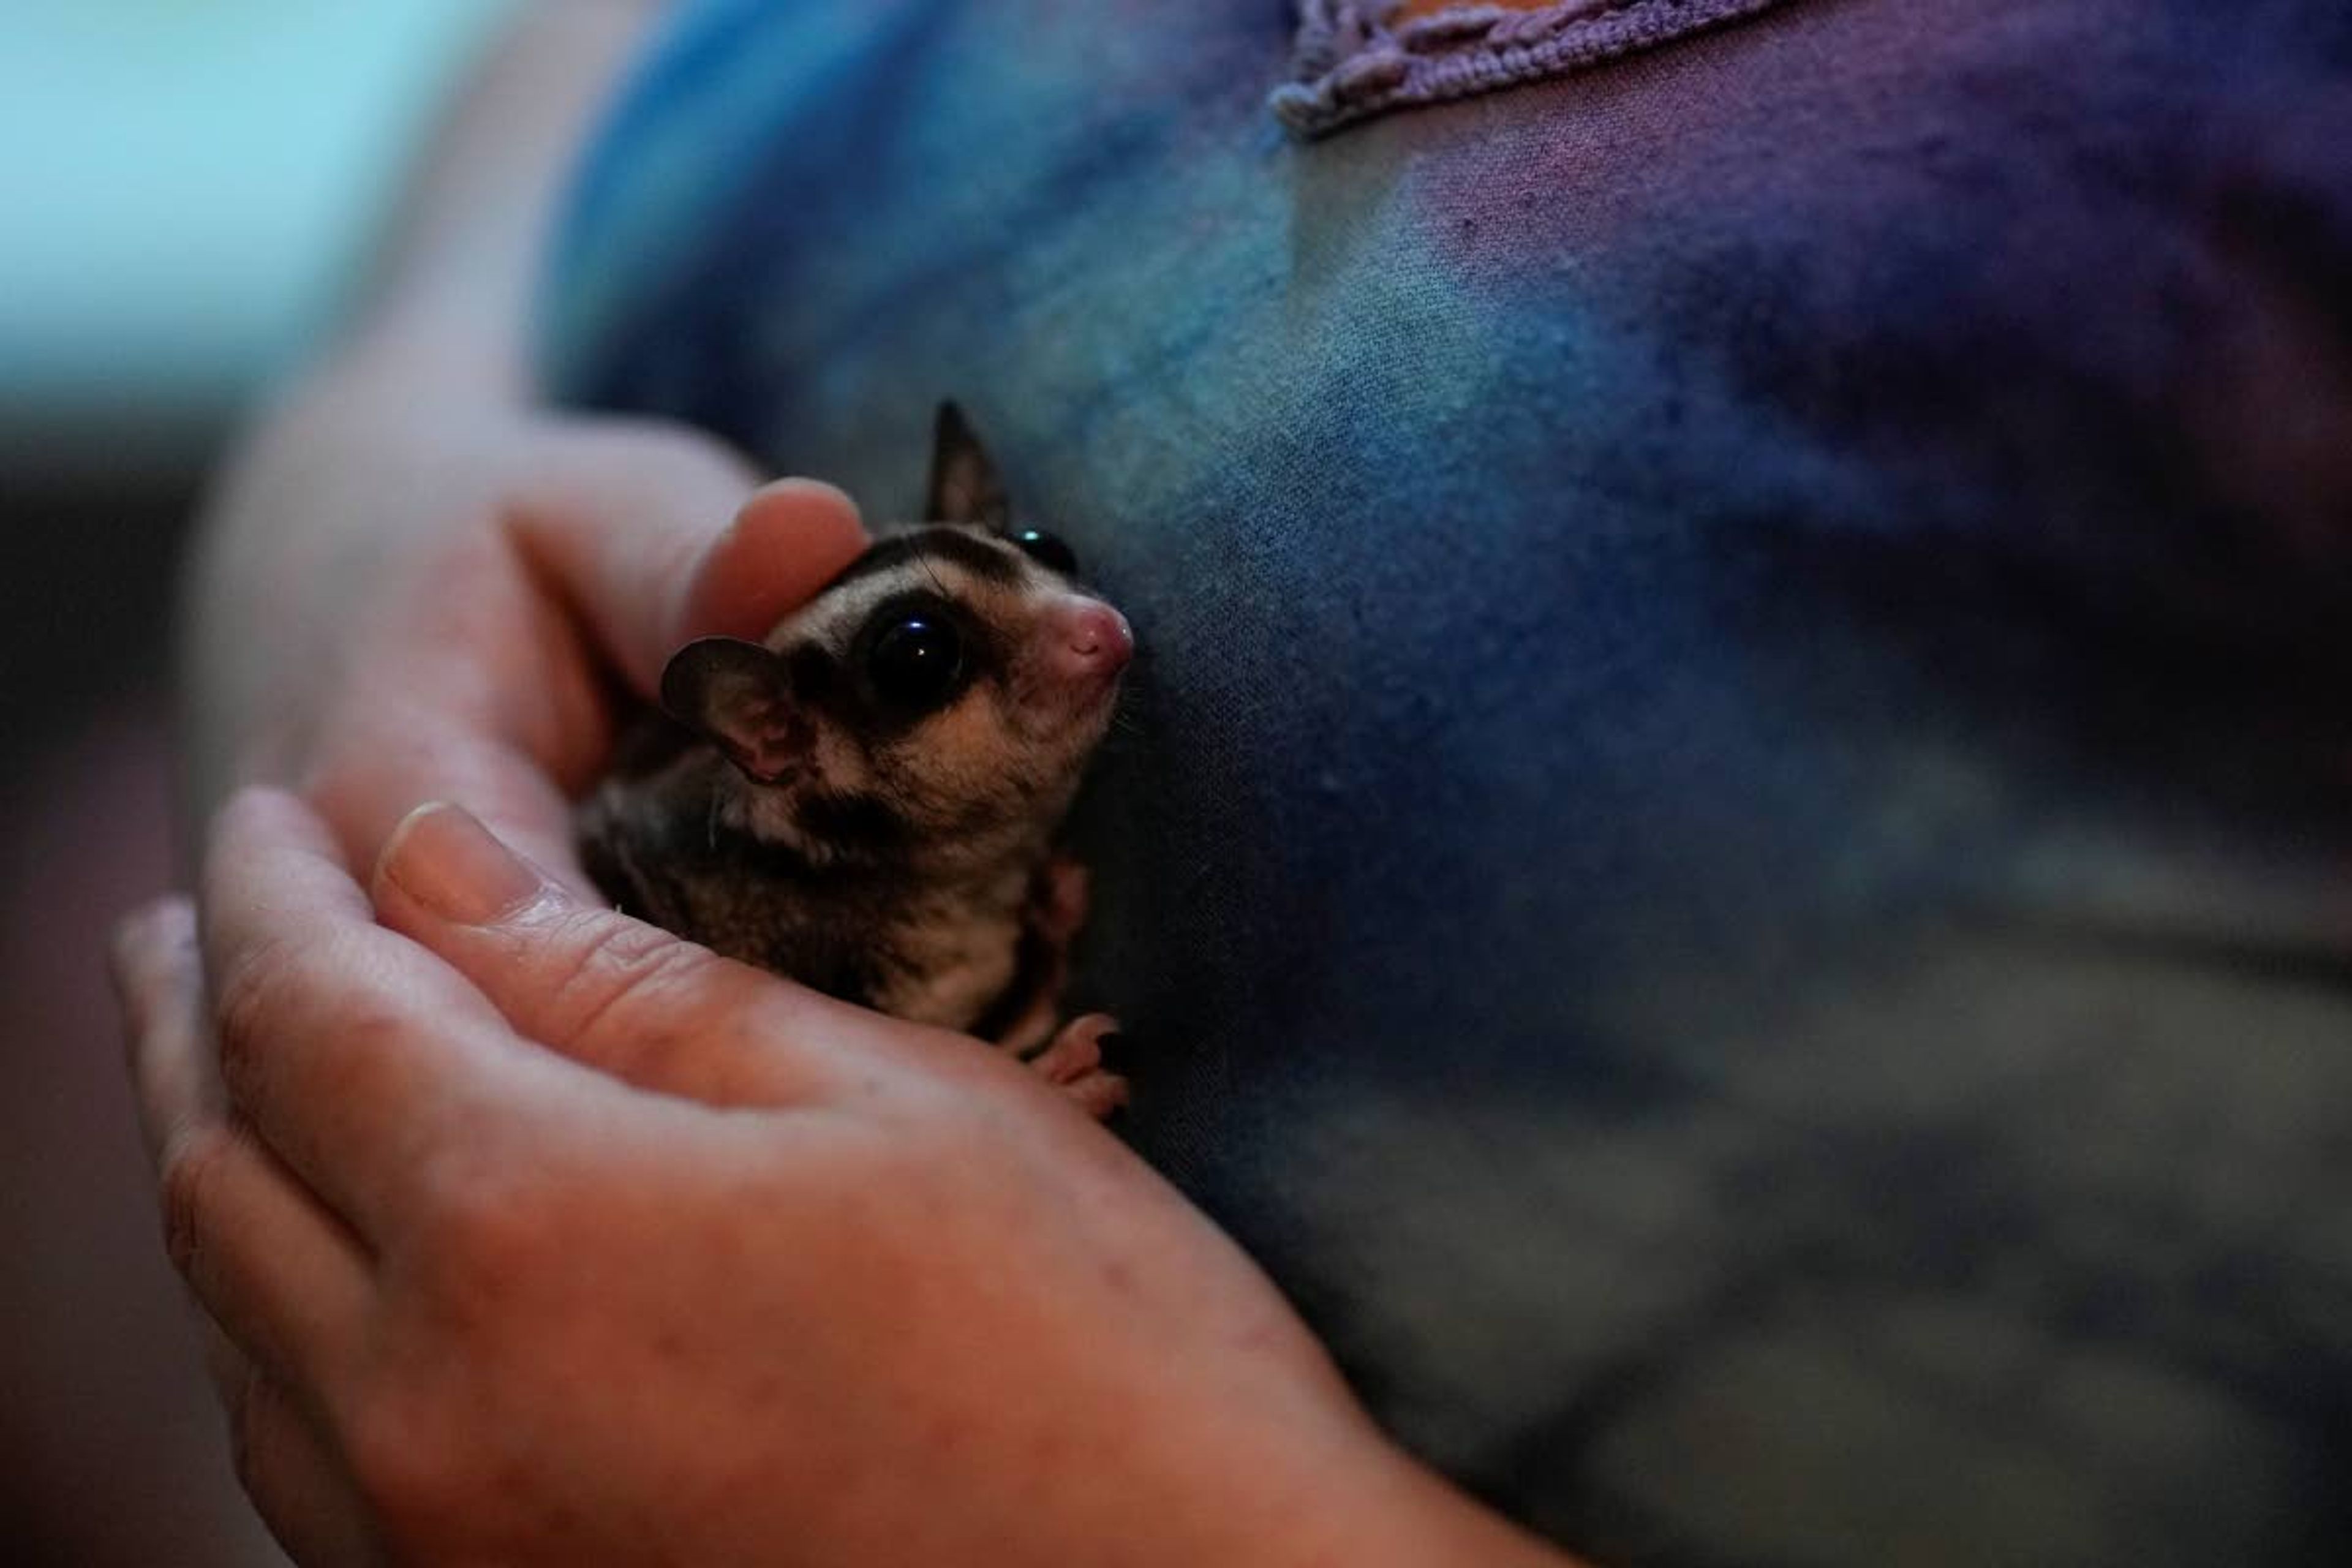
<point>1735,857</point>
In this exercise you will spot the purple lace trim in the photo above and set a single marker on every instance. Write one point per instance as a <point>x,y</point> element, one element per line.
<point>1350,63</point>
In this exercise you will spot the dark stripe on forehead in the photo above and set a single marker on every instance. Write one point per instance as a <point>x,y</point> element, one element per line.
<point>990,562</point>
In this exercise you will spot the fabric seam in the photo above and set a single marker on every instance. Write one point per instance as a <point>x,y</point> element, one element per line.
<point>1350,63</point>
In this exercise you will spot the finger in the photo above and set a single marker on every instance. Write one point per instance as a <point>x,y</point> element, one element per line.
<point>272,1267</point>
<point>610,992</point>
<point>789,540</point>
<point>155,968</point>
<point>355,1056</point>
<point>363,789</point>
<point>649,536</point>
<point>283,1279</point>
<point>290,1467</point>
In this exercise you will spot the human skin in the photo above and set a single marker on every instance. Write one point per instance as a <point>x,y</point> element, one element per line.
<point>552,1238</point>
<point>545,1237</point>
<point>414,580</point>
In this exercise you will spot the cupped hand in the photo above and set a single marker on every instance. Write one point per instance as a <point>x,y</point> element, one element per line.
<point>540,1237</point>
<point>402,597</point>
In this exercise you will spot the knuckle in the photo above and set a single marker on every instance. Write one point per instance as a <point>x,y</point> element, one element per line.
<point>412,1427</point>
<point>488,1235</point>
<point>241,1398</point>
<point>489,1225</point>
<point>409,1463</point>
<point>268,1452</point>
<point>192,1169</point>
<point>259,1420</point>
<point>248,1000</point>
<point>616,946</point>
<point>617,974</point>
<point>264,1004</point>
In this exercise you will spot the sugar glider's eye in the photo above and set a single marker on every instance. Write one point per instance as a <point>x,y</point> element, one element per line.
<point>1047,550</point>
<point>916,660</point>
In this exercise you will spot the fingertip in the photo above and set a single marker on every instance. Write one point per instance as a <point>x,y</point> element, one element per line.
<point>152,946</point>
<point>802,502</point>
<point>789,539</point>
<point>161,925</point>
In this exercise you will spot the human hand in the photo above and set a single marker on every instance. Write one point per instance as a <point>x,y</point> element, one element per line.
<point>418,587</point>
<point>543,1238</point>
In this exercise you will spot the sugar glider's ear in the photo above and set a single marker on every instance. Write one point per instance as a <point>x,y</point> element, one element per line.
<point>964,486</point>
<point>739,694</point>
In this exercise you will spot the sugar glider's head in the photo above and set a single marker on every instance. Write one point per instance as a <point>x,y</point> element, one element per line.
<point>946,689</point>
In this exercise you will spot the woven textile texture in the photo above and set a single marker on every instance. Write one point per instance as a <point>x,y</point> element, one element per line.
<point>1734,859</point>
<point>1357,58</point>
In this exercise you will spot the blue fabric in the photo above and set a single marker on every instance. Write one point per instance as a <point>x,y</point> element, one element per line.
<point>1735,857</point>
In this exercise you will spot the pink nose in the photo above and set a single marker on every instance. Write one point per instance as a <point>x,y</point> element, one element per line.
<point>1086,637</point>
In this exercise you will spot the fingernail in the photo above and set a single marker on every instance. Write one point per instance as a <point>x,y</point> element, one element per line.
<point>443,857</point>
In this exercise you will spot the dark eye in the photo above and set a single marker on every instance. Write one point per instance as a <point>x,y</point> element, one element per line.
<point>915,661</point>
<point>1047,550</point>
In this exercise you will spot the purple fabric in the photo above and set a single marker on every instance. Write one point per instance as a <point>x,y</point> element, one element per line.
<point>1356,59</point>
<point>1734,859</point>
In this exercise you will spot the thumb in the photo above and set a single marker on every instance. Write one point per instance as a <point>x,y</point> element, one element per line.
<point>655,535</point>
<point>609,992</point>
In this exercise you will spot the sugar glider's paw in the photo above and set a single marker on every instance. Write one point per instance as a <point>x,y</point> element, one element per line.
<point>1057,901</point>
<point>1072,1062</point>
<point>1056,911</point>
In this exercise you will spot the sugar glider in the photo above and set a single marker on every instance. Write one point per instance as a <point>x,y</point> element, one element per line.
<point>866,801</point>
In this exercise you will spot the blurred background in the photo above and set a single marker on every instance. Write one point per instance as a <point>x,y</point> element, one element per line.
<point>187,189</point>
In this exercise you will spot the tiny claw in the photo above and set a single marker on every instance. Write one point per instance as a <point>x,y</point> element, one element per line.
<point>1098,1094</point>
<point>1072,1062</point>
